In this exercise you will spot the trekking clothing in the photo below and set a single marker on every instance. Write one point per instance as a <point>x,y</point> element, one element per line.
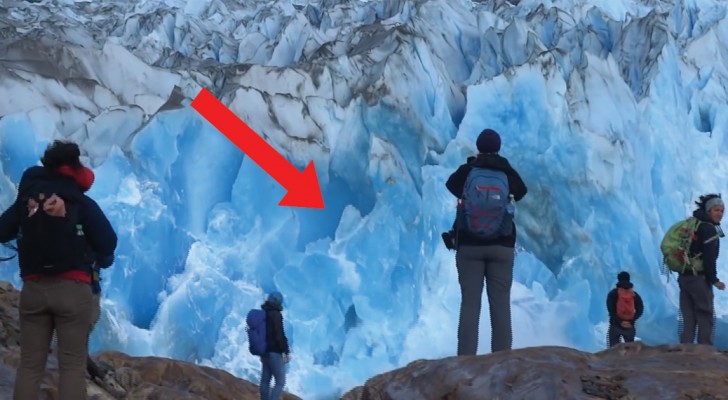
<point>456,184</point>
<point>493,263</point>
<point>93,370</point>
<point>273,367</point>
<point>486,262</point>
<point>272,361</point>
<point>97,228</point>
<point>277,341</point>
<point>696,309</point>
<point>61,303</point>
<point>83,177</point>
<point>91,367</point>
<point>707,245</point>
<point>696,290</point>
<point>489,141</point>
<point>612,297</point>
<point>45,305</point>
<point>616,330</point>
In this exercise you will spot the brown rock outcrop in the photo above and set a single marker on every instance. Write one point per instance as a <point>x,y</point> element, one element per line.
<point>628,371</point>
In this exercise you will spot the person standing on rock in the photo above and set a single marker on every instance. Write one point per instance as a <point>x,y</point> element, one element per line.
<point>696,287</point>
<point>103,375</point>
<point>277,353</point>
<point>60,234</point>
<point>486,188</point>
<point>625,306</point>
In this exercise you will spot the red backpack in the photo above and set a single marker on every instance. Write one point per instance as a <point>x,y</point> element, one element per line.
<point>625,304</point>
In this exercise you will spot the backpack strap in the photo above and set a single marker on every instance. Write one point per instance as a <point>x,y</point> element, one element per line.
<point>714,237</point>
<point>11,247</point>
<point>707,241</point>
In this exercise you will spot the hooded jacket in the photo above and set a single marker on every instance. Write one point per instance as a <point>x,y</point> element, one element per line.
<point>456,184</point>
<point>707,244</point>
<point>97,228</point>
<point>612,298</point>
<point>276,336</point>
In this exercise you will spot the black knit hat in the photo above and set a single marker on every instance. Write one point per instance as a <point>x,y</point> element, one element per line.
<point>489,141</point>
<point>623,276</point>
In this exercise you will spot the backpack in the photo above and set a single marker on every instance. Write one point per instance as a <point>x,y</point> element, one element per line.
<point>48,244</point>
<point>675,246</point>
<point>257,335</point>
<point>625,304</point>
<point>483,209</point>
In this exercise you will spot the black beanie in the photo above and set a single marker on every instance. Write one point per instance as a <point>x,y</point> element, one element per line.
<point>623,276</point>
<point>489,141</point>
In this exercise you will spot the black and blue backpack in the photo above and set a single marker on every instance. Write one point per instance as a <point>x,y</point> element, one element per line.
<point>483,210</point>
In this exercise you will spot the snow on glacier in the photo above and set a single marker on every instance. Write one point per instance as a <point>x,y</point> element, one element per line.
<point>612,111</point>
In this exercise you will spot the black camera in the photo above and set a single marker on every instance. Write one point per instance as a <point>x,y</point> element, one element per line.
<point>449,239</point>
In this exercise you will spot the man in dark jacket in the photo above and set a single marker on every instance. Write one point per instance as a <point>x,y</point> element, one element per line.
<point>696,288</point>
<point>277,354</point>
<point>56,296</point>
<point>623,325</point>
<point>479,259</point>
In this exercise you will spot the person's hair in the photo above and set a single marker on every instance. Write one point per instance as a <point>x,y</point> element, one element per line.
<point>60,153</point>
<point>704,199</point>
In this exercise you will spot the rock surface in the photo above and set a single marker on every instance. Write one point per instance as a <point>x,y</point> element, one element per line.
<point>142,377</point>
<point>628,371</point>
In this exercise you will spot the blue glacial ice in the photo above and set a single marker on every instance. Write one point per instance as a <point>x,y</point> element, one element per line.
<point>614,112</point>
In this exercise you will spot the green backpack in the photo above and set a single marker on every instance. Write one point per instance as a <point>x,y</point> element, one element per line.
<point>675,247</point>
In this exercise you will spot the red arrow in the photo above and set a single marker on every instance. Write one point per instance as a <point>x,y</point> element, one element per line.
<point>303,187</point>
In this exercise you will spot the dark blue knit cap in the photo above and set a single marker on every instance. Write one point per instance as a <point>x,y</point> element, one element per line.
<point>489,141</point>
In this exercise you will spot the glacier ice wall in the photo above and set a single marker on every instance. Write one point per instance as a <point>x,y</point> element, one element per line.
<point>613,112</point>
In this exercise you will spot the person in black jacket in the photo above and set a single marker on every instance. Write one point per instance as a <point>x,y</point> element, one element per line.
<point>696,288</point>
<point>278,353</point>
<point>479,259</point>
<point>60,301</point>
<point>623,325</point>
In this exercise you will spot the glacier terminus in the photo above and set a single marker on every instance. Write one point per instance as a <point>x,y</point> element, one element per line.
<point>614,112</point>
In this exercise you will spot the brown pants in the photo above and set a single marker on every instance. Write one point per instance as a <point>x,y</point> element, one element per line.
<point>95,310</point>
<point>91,367</point>
<point>47,305</point>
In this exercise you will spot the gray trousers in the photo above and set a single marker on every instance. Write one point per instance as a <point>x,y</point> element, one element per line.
<point>696,309</point>
<point>495,265</point>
